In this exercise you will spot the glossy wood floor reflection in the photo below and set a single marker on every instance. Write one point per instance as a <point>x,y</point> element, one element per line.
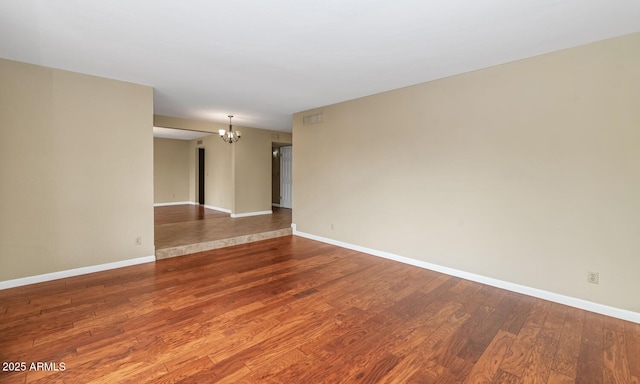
<point>292,310</point>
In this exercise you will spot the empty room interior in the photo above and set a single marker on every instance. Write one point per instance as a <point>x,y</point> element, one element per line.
<point>320,192</point>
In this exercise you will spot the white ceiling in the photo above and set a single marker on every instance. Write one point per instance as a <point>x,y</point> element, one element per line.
<point>264,60</point>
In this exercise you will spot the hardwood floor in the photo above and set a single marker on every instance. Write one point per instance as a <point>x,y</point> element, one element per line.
<point>186,229</point>
<point>292,310</point>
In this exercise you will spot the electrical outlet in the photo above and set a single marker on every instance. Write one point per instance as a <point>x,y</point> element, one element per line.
<point>593,277</point>
<point>139,240</point>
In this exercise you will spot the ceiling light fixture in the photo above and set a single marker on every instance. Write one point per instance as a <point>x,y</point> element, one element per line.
<point>230,136</point>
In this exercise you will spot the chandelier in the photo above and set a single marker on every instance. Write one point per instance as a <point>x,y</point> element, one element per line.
<point>230,136</point>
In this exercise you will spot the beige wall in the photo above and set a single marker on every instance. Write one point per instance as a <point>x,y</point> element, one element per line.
<point>171,163</point>
<point>528,172</point>
<point>218,172</point>
<point>218,169</point>
<point>237,176</point>
<point>252,168</point>
<point>76,170</point>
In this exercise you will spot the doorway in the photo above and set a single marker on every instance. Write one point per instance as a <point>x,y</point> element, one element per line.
<point>201,174</point>
<point>281,175</point>
<point>286,177</point>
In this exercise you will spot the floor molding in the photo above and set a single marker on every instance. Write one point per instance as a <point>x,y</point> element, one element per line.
<point>173,203</point>
<point>247,214</point>
<point>539,293</point>
<point>74,272</point>
<point>218,209</point>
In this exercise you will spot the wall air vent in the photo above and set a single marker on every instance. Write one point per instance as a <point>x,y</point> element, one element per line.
<point>313,119</point>
<point>199,142</point>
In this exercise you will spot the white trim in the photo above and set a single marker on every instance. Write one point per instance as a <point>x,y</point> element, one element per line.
<point>234,215</point>
<point>275,205</point>
<point>539,293</point>
<point>218,209</point>
<point>74,272</point>
<point>174,203</point>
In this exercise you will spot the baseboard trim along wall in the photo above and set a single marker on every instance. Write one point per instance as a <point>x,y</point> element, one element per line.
<point>74,272</point>
<point>235,215</point>
<point>218,209</point>
<point>541,294</point>
<point>174,203</point>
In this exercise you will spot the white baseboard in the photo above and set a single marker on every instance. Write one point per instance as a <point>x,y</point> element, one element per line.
<point>173,203</point>
<point>539,293</point>
<point>235,215</point>
<point>74,272</point>
<point>275,204</point>
<point>218,209</point>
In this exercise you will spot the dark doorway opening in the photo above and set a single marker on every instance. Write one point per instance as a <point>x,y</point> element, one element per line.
<point>201,175</point>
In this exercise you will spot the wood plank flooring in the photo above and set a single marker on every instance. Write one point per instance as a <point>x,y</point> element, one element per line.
<point>186,229</point>
<point>177,225</point>
<point>292,310</point>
